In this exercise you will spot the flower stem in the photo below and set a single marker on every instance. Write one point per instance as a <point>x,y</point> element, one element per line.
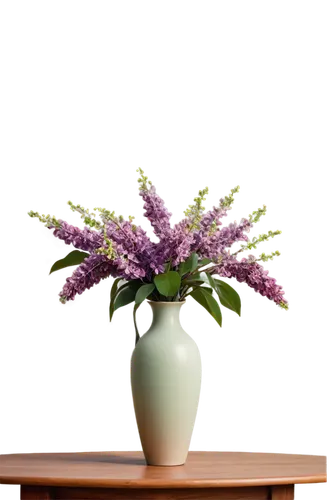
<point>135,325</point>
<point>187,291</point>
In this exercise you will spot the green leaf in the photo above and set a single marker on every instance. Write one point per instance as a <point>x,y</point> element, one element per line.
<point>206,300</point>
<point>215,308</point>
<point>189,265</point>
<point>167,266</point>
<point>198,277</point>
<point>198,297</point>
<point>204,262</point>
<point>72,259</point>
<point>228,296</point>
<point>113,294</point>
<point>167,283</point>
<point>143,292</point>
<point>127,294</point>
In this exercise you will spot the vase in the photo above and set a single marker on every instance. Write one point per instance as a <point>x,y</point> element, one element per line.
<point>166,380</point>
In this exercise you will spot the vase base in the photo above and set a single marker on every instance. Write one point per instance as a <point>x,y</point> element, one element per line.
<point>165,465</point>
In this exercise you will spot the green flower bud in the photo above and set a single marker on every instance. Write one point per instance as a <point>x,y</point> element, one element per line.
<point>96,216</point>
<point>131,217</point>
<point>79,209</point>
<point>89,219</point>
<point>196,207</point>
<point>285,307</point>
<point>45,219</point>
<point>213,228</point>
<point>143,181</point>
<point>259,238</point>
<point>257,214</point>
<point>107,250</point>
<point>230,197</point>
<point>269,256</point>
<point>92,223</point>
<point>105,213</point>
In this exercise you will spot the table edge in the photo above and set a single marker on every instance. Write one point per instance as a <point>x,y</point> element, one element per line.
<point>158,484</point>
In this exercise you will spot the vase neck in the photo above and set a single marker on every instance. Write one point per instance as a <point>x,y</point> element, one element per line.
<point>166,313</point>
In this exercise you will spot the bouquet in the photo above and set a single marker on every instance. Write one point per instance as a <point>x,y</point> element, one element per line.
<point>188,260</point>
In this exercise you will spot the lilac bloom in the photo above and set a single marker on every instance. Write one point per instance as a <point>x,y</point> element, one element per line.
<point>92,270</point>
<point>176,246</point>
<point>212,217</point>
<point>181,243</point>
<point>118,248</point>
<point>155,211</point>
<point>254,275</point>
<point>84,239</point>
<point>212,246</point>
<point>134,248</point>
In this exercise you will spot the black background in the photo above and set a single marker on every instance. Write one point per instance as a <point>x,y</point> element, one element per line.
<point>65,375</point>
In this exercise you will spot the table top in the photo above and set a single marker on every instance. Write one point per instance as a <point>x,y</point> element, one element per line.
<point>129,470</point>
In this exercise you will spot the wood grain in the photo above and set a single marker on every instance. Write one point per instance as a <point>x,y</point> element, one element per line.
<point>282,492</point>
<point>255,493</point>
<point>36,493</point>
<point>128,470</point>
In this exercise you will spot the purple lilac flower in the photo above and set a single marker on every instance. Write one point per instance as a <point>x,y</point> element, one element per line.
<point>132,247</point>
<point>162,254</point>
<point>213,245</point>
<point>174,243</point>
<point>212,217</point>
<point>254,275</point>
<point>155,211</point>
<point>84,239</point>
<point>181,243</point>
<point>92,270</point>
<point>210,241</point>
<point>128,269</point>
<point>135,250</point>
<point>130,240</point>
<point>146,253</point>
<point>207,222</point>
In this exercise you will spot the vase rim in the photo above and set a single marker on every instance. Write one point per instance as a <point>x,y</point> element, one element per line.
<point>167,303</point>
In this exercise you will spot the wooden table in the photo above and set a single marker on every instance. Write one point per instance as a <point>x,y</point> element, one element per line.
<point>124,475</point>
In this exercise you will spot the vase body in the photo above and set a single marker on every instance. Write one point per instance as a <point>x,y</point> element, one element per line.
<point>166,380</point>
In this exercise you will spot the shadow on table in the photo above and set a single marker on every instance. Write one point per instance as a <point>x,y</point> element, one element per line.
<point>95,457</point>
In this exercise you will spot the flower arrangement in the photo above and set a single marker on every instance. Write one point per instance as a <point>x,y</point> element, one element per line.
<point>184,262</point>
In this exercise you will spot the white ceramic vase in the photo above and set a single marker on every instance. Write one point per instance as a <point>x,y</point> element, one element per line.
<point>166,380</point>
